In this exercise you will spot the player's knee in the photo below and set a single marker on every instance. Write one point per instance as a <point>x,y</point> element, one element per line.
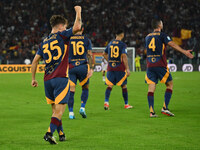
<point>123,86</point>
<point>110,86</point>
<point>85,87</point>
<point>152,88</point>
<point>72,88</point>
<point>169,85</point>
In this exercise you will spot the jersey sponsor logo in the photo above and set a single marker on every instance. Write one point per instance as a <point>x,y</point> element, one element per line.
<point>187,68</point>
<point>20,69</point>
<point>172,67</point>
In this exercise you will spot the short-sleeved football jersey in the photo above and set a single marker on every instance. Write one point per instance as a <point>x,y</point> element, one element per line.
<point>54,51</point>
<point>114,50</point>
<point>78,49</point>
<point>155,44</point>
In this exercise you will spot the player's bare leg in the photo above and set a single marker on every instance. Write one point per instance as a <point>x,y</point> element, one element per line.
<point>168,94</point>
<point>84,98</point>
<point>104,78</point>
<point>71,101</point>
<point>150,96</point>
<point>125,96</point>
<point>107,96</point>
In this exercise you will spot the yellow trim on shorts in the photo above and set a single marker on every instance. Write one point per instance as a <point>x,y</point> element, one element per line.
<point>72,83</point>
<point>86,79</point>
<point>164,79</point>
<point>148,80</point>
<point>122,80</point>
<point>62,95</point>
<point>49,101</point>
<point>108,82</point>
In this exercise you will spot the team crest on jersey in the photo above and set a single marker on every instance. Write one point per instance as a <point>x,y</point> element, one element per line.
<point>113,64</point>
<point>153,59</point>
<point>77,63</point>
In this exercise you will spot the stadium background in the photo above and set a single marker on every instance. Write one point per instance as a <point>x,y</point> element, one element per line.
<point>24,25</point>
<point>25,114</point>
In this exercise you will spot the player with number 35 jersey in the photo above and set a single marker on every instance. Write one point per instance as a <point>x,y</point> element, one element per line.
<point>54,50</point>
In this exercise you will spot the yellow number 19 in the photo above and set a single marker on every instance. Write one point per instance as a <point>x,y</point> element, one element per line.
<point>114,51</point>
<point>152,45</point>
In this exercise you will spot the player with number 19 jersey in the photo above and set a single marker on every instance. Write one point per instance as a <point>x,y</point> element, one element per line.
<point>54,51</point>
<point>115,64</point>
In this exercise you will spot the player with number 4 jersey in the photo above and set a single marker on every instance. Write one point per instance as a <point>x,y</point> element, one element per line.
<point>157,69</point>
<point>80,68</point>
<point>118,69</point>
<point>54,50</point>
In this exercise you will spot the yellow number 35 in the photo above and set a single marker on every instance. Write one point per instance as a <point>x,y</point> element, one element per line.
<point>52,47</point>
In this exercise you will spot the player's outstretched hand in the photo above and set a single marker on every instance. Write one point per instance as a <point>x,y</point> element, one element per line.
<point>128,72</point>
<point>34,83</point>
<point>188,54</point>
<point>90,73</point>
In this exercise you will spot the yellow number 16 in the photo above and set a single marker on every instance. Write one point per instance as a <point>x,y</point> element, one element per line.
<point>78,48</point>
<point>52,47</point>
<point>152,44</point>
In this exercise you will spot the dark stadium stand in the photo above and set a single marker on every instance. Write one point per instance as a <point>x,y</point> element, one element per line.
<point>23,23</point>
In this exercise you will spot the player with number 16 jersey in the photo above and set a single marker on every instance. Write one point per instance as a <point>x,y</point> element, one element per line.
<point>80,68</point>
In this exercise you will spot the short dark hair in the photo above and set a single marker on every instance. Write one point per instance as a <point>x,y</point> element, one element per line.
<point>57,19</point>
<point>155,22</point>
<point>119,31</point>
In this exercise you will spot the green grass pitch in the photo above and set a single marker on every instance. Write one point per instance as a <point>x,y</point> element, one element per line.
<point>25,116</point>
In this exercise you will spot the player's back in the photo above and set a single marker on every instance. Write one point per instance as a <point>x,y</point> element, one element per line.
<point>155,44</point>
<point>114,50</point>
<point>79,46</point>
<point>53,50</point>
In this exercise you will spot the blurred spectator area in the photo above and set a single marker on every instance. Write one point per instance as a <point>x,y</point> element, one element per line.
<point>24,24</point>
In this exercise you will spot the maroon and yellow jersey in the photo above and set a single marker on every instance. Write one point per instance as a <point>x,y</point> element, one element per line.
<point>115,49</point>
<point>54,51</point>
<point>155,44</point>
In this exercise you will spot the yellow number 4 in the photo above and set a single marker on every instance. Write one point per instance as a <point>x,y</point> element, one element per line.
<point>152,45</point>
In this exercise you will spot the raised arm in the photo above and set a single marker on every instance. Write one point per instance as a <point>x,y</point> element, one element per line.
<point>178,48</point>
<point>35,62</point>
<point>78,20</point>
<point>125,60</point>
<point>90,61</point>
